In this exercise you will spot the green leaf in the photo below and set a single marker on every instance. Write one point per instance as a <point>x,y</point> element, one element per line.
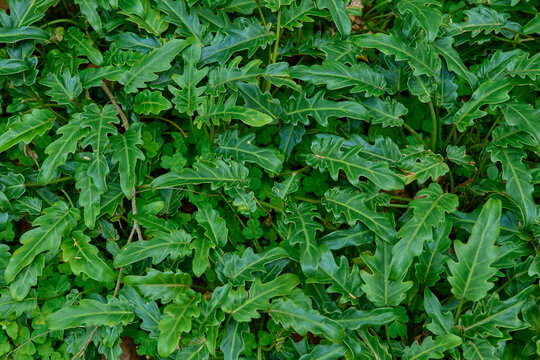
<point>237,270</point>
<point>495,314</point>
<point>522,116</point>
<point>188,98</point>
<point>83,46</point>
<point>101,123</point>
<point>37,123</point>
<point>56,222</point>
<point>426,13</point>
<point>160,285</point>
<point>244,305</point>
<point>64,89</point>
<point>296,15</point>
<point>458,155</point>
<point>83,258</point>
<point>487,93</point>
<point>233,342</point>
<point>423,57</point>
<point>480,18</point>
<point>478,349</point>
<point>523,66</point>
<point>352,207</point>
<point>386,113</point>
<point>219,174</point>
<point>211,112</point>
<point>380,289</point>
<point>242,150</point>
<point>326,352</point>
<point>288,186</point>
<point>247,34</point>
<point>432,260</point>
<point>143,14</point>
<point>9,306</point>
<point>178,14</point>
<point>471,273</point>
<point>150,102</point>
<point>327,154</point>
<point>518,180</point>
<point>27,278</point>
<point>296,313</point>
<point>353,319</point>
<point>177,320</point>
<point>443,46</point>
<point>429,210</point>
<point>89,196</point>
<point>431,349</point>
<point>339,14</point>
<point>303,231</point>
<point>13,66</point>
<point>91,313</point>
<point>321,109</point>
<point>214,225</point>
<point>336,75</point>
<point>59,149</point>
<point>10,34</point>
<point>176,244</point>
<point>342,280</point>
<point>146,68</point>
<point>126,154</point>
<point>89,9</point>
<point>441,322</point>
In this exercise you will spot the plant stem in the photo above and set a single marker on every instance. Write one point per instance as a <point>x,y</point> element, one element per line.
<point>313,201</point>
<point>55,181</point>
<point>415,134</point>
<point>261,12</point>
<point>387,333</point>
<point>278,34</point>
<point>402,198</point>
<point>458,312</point>
<point>435,124</point>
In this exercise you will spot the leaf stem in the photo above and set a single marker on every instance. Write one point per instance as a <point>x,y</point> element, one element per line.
<point>278,34</point>
<point>458,312</point>
<point>312,201</point>
<point>55,181</point>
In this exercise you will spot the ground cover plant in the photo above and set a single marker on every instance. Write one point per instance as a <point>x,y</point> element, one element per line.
<point>269,179</point>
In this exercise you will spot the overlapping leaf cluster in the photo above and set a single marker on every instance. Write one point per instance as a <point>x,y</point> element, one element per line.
<point>269,179</point>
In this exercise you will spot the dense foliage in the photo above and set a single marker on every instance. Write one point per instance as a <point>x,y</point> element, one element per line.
<point>269,179</point>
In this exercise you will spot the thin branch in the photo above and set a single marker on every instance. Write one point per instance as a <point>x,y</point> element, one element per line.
<point>81,352</point>
<point>125,121</point>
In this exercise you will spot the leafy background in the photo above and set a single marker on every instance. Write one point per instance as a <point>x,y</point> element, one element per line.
<point>269,179</point>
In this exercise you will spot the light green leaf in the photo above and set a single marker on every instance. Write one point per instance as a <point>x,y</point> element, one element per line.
<point>303,231</point>
<point>233,341</point>
<point>353,319</point>
<point>9,34</point>
<point>379,288</point>
<point>386,113</point>
<point>177,320</point>
<point>296,313</point>
<point>423,57</point>
<point>286,187</point>
<point>83,46</point>
<point>352,207</point>
<point>101,123</point>
<point>150,102</point>
<point>523,116</point>
<point>426,13</point>
<point>37,123</point>
<point>432,260</point>
<point>89,196</point>
<point>479,349</point>
<point>160,285</point>
<point>27,278</point>
<point>146,68</point>
<point>56,222</point>
<point>214,225</point>
<point>518,180</point>
<point>242,150</point>
<point>441,322</point>
<point>480,18</point>
<point>64,89</point>
<point>429,207</point>
<point>327,154</point>
<point>246,34</point>
<point>91,313</point>
<point>443,46</point>
<point>487,93</point>
<point>176,244</point>
<point>212,111</point>
<point>237,270</point>
<point>431,349</point>
<point>83,258</point>
<point>336,75</point>
<point>89,9</point>
<point>177,14</point>
<point>126,154</point>
<point>471,273</point>
<point>339,15</point>
<point>218,174</point>
<point>59,149</point>
<point>320,109</point>
<point>244,305</point>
